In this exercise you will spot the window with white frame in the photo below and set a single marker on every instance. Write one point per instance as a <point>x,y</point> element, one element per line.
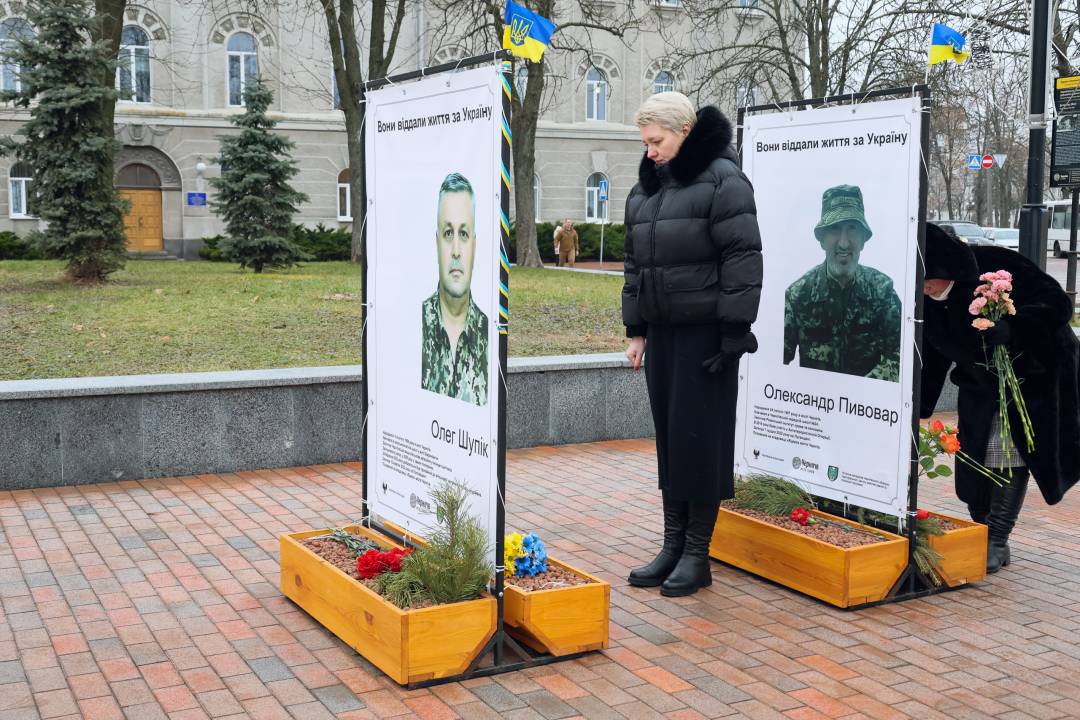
<point>596,92</point>
<point>243,65</point>
<point>133,65</point>
<point>536,197</point>
<point>595,208</point>
<point>669,3</point>
<point>521,81</point>
<point>11,30</point>
<point>663,81</point>
<point>19,185</point>
<point>344,196</point>
<point>745,94</point>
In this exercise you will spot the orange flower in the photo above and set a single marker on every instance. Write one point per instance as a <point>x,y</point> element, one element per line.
<point>950,444</point>
<point>936,426</point>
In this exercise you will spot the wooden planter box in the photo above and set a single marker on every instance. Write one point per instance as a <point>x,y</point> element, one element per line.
<point>963,551</point>
<point>560,621</point>
<point>839,576</point>
<point>408,645</point>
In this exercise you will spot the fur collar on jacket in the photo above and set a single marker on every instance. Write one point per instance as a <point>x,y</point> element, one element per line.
<point>708,139</point>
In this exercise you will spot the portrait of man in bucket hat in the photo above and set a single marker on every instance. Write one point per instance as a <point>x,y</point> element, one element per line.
<point>841,316</point>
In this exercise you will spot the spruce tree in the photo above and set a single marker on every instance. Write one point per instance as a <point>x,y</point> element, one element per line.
<point>67,143</point>
<point>254,197</point>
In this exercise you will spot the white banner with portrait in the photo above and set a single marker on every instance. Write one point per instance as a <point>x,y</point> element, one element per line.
<point>827,399</point>
<point>433,176</point>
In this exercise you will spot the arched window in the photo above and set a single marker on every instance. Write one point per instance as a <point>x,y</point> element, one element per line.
<point>745,95</point>
<point>521,81</point>
<point>663,81</point>
<point>133,65</point>
<point>19,180</point>
<point>536,197</point>
<point>138,175</point>
<point>243,65</point>
<point>11,30</point>
<point>596,209</point>
<point>596,92</point>
<point>344,198</point>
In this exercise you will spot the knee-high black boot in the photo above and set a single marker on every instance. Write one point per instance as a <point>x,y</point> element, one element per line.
<point>1004,510</point>
<point>693,571</point>
<point>655,572</point>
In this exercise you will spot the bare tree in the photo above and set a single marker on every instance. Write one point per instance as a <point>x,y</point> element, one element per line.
<point>477,25</point>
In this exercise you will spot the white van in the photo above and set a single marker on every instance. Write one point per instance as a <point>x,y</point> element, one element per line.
<point>1057,238</point>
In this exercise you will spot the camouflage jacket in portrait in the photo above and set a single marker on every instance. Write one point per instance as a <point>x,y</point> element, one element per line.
<point>853,330</point>
<point>460,373</point>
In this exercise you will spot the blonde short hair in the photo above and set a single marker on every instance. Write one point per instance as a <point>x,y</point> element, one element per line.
<point>671,110</point>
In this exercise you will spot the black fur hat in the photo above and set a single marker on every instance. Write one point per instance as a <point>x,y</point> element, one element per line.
<point>948,257</point>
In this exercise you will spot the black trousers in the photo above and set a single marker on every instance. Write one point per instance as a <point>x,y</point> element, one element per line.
<point>693,411</point>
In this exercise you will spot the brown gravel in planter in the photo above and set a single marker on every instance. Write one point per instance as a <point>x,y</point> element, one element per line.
<point>826,532</point>
<point>334,553</point>
<point>555,577</point>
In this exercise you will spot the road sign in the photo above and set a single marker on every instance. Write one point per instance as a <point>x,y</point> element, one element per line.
<point>603,190</point>
<point>999,159</point>
<point>974,161</point>
<point>987,162</point>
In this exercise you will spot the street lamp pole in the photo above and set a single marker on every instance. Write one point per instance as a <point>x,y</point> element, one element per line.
<point>1034,216</point>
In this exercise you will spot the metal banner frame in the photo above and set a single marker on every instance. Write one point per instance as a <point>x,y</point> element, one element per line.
<point>912,582</point>
<point>497,647</point>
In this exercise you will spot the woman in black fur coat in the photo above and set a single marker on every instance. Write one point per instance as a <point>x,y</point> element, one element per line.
<point>692,283</point>
<point>1046,357</point>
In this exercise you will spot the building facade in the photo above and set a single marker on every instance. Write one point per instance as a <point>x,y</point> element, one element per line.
<point>183,66</point>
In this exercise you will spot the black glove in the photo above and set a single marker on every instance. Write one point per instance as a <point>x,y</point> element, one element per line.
<point>997,335</point>
<point>732,347</point>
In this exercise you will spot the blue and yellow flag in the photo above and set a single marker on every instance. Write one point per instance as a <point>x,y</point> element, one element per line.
<point>946,44</point>
<point>525,33</point>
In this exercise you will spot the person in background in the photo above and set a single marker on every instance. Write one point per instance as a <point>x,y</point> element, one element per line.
<point>692,281</point>
<point>566,243</point>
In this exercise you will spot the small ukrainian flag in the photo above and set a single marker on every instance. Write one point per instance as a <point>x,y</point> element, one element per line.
<point>525,33</point>
<point>946,44</point>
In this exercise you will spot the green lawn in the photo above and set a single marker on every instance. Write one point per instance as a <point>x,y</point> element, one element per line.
<point>159,317</point>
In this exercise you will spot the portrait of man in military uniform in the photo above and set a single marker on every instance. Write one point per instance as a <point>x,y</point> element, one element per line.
<point>841,316</point>
<point>454,349</point>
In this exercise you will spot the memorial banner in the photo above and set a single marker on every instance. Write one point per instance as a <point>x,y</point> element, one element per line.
<point>827,399</point>
<point>432,280</point>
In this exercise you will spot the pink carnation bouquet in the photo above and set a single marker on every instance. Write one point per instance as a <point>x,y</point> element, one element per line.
<point>993,302</point>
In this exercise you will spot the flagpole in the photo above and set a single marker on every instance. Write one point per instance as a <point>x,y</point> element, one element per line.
<point>929,45</point>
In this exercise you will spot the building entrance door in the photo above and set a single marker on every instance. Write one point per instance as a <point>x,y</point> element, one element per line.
<point>140,185</point>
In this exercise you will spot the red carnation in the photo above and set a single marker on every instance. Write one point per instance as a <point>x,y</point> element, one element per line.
<point>922,514</point>
<point>374,563</point>
<point>800,515</point>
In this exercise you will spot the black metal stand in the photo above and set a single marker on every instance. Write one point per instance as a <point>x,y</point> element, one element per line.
<point>492,660</point>
<point>912,582</point>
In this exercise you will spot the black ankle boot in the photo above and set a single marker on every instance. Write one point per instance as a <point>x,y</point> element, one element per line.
<point>693,571</point>
<point>674,537</point>
<point>1004,510</point>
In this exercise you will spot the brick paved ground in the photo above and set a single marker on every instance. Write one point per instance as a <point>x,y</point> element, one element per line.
<point>159,599</point>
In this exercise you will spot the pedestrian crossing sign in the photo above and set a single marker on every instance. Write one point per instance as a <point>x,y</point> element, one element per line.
<point>974,161</point>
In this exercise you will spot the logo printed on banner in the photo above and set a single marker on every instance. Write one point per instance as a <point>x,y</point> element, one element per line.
<point>796,463</point>
<point>834,472</point>
<point>757,453</point>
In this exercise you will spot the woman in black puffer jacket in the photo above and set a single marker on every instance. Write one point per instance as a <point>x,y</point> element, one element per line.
<point>691,289</point>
